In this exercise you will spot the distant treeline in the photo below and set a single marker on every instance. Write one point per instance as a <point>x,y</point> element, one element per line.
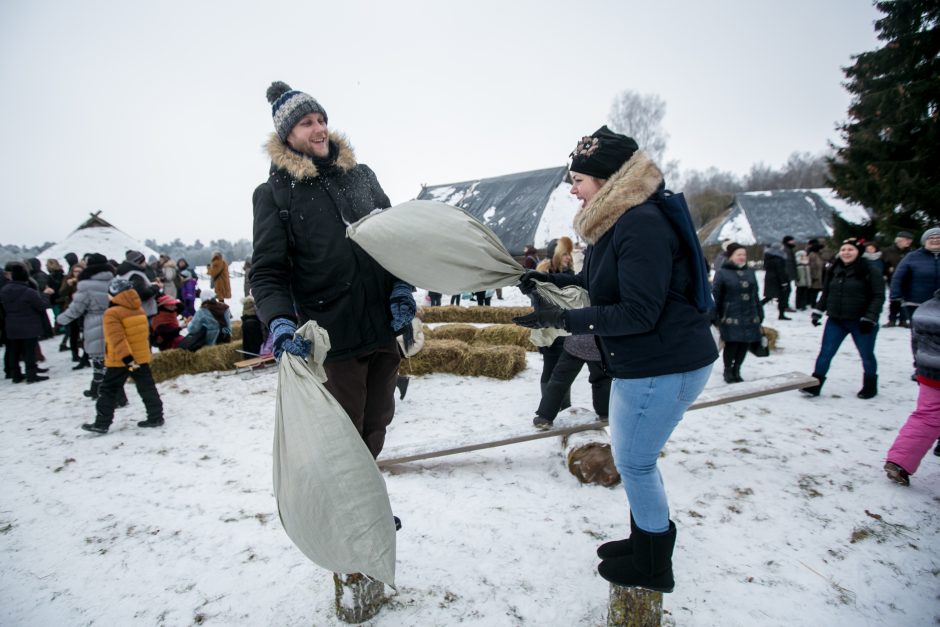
<point>196,254</point>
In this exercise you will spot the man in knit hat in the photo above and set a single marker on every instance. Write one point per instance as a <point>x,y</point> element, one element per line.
<point>892,256</point>
<point>305,268</point>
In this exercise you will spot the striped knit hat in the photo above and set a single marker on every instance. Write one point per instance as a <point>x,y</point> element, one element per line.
<point>289,105</point>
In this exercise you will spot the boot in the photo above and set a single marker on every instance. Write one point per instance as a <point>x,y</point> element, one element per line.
<point>150,422</point>
<point>92,392</point>
<point>783,316</point>
<point>936,450</point>
<point>98,426</point>
<point>650,564</point>
<point>618,548</point>
<point>36,378</point>
<point>402,385</point>
<point>869,386</point>
<point>83,362</point>
<point>729,375</point>
<point>897,474</point>
<point>815,389</point>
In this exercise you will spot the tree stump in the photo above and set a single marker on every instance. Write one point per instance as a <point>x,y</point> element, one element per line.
<point>358,598</point>
<point>634,607</point>
<point>589,457</point>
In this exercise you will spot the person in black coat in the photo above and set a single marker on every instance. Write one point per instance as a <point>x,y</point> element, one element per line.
<point>776,279</point>
<point>853,296</point>
<point>305,268</point>
<point>23,312</point>
<point>738,309</point>
<point>642,276</point>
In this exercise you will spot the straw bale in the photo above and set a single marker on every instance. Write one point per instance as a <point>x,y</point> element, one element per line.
<point>489,315</point>
<point>436,356</point>
<point>504,335</point>
<point>499,362</point>
<point>172,363</point>
<point>455,331</point>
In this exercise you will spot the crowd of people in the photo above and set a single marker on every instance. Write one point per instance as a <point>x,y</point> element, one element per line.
<point>110,315</point>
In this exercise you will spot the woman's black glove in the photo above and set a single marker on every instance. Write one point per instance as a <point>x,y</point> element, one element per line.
<point>816,318</point>
<point>545,316</point>
<point>527,282</point>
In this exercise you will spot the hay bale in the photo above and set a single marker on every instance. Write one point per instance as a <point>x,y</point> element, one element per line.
<point>436,356</point>
<point>487,315</point>
<point>455,331</point>
<point>499,362</point>
<point>456,357</point>
<point>172,363</point>
<point>772,335</point>
<point>236,330</point>
<point>504,335</point>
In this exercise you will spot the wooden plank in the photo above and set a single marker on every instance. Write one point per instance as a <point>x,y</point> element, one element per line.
<point>710,397</point>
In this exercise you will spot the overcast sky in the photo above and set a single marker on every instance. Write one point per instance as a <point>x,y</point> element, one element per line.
<point>155,112</point>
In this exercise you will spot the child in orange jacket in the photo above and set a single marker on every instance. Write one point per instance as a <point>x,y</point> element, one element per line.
<point>127,353</point>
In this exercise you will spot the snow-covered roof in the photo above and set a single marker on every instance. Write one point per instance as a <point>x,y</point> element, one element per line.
<point>767,216</point>
<point>523,208</point>
<point>96,235</point>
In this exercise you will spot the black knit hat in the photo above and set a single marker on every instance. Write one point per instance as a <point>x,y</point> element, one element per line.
<point>602,153</point>
<point>289,105</point>
<point>96,259</point>
<point>135,256</point>
<point>18,271</point>
<point>733,246</point>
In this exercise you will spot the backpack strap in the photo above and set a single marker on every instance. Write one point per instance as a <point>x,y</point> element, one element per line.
<point>281,193</point>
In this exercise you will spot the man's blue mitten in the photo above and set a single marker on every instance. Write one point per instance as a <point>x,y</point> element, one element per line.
<point>403,307</point>
<point>283,330</point>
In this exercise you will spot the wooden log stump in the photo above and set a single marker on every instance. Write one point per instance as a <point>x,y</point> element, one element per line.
<point>590,458</point>
<point>634,607</point>
<point>358,598</point>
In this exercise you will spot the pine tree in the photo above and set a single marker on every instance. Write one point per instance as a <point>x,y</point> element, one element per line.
<point>891,158</point>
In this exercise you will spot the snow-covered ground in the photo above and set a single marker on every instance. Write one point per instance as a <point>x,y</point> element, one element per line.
<point>784,514</point>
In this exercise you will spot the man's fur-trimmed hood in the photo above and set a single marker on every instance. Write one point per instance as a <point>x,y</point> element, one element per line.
<point>300,166</point>
<point>631,185</point>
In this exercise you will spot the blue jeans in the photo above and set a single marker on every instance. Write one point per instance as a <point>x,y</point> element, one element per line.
<point>643,414</point>
<point>836,331</point>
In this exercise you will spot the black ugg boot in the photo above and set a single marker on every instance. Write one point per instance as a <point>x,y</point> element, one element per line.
<point>402,385</point>
<point>98,426</point>
<point>815,389</point>
<point>869,386</point>
<point>650,564</point>
<point>92,392</point>
<point>729,375</point>
<point>617,548</point>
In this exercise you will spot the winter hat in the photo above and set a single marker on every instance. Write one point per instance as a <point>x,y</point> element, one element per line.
<point>71,258</point>
<point>186,274</point>
<point>787,239</point>
<point>733,246</point>
<point>859,244</point>
<point>167,301</point>
<point>906,234</point>
<point>118,285</point>
<point>96,259</point>
<point>135,256</point>
<point>18,271</point>
<point>934,232</point>
<point>289,105</point>
<point>206,294</point>
<point>602,153</point>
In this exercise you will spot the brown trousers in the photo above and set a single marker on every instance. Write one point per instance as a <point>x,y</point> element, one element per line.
<point>365,386</point>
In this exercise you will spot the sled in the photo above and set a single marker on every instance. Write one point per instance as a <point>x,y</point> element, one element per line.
<point>568,424</point>
<point>255,363</point>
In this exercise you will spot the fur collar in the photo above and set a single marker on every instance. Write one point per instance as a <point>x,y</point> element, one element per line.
<point>631,185</point>
<point>301,166</point>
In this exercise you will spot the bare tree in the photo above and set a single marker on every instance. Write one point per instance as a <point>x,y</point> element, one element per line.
<point>640,116</point>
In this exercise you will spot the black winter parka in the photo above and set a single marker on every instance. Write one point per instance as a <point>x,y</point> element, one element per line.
<point>303,265</point>
<point>853,291</point>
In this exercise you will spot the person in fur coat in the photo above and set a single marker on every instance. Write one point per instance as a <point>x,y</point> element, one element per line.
<point>218,277</point>
<point>305,268</point>
<point>91,300</point>
<point>127,354</point>
<point>641,274</point>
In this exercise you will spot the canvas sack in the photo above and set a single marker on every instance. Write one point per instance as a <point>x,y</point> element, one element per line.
<point>331,497</point>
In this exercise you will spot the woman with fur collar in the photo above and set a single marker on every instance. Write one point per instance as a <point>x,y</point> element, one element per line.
<point>305,268</point>
<point>653,341</point>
